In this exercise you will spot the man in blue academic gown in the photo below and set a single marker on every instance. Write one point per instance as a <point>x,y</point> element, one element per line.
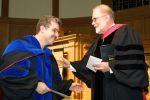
<point>29,70</point>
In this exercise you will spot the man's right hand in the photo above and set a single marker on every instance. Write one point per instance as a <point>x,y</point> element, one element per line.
<point>64,62</point>
<point>42,88</point>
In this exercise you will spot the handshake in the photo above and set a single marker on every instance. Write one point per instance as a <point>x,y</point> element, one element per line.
<point>42,88</point>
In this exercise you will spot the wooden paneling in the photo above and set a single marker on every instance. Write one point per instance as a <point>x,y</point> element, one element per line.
<point>5,7</point>
<point>81,25</point>
<point>55,8</point>
<point>108,2</point>
<point>132,14</point>
<point>139,26</point>
<point>4,34</point>
<point>21,27</point>
<point>12,28</point>
<point>147,30</point>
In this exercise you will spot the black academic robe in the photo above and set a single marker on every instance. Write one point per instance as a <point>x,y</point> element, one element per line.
<point>24,65</point>
<point>128,65</point>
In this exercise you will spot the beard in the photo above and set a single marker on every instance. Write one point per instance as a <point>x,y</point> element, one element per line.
<point>101,28</point>
<point>98,30</point>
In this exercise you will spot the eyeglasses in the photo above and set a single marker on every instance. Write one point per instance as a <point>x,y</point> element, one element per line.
<point>56,30</point>
<point>96,18</point>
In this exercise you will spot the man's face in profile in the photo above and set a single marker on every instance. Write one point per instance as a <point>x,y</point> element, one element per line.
<point>52,33</point>
<point>98,20</point>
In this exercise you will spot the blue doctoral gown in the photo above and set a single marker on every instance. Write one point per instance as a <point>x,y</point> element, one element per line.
<point>26,64</point>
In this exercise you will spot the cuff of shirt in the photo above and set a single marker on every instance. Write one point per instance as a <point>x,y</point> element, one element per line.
<point>72,68</point>
<point>110,71</point>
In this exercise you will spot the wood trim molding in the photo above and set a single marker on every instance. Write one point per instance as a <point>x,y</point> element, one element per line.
<point>107,2</point>
<point>23,21</point>
<point>5,8</point>
<point>77,21</point>
<point>129,14</point>
<point>55,8</point>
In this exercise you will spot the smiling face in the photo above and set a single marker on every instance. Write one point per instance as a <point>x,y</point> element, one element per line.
<point>47,30</point>
<point>99,21</point>
<point>51,33</point>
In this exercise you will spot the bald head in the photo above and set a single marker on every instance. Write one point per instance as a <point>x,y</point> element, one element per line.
<point>105,9</point>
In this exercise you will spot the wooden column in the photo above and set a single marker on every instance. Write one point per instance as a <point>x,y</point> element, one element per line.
<point>55,8</point>
<point>108,2</point>
<point>4,24</point>
<point>5,8</point>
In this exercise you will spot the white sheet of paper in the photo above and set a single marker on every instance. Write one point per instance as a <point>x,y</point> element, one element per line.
<point>93,60</point>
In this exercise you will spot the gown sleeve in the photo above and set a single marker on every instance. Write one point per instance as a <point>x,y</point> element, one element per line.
<point>19,79</point>
<point>82,72</point>
<point>128,64</point>
<point>59,84</point>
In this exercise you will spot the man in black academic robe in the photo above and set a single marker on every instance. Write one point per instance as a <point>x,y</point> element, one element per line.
<point>129,72</point>
<point>123,75</point>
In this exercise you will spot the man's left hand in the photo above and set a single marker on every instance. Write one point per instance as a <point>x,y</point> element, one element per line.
<point>103,66</point>
<point>76,87</point>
